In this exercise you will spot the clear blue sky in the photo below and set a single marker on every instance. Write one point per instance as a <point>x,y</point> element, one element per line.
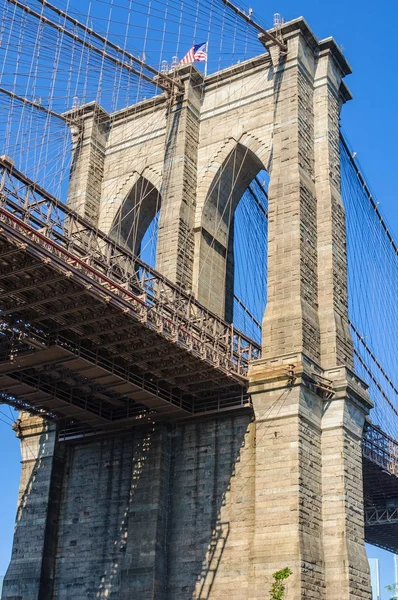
<point>368,33</point>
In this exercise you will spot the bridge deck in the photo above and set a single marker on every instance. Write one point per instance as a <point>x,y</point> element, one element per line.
<point>67,287</point>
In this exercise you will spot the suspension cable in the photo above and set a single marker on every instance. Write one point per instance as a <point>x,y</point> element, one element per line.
<point>35,105</point>
<point>160,77</point>
<point>368,193</point>
<point>269,36</point>
<point>372,356</point>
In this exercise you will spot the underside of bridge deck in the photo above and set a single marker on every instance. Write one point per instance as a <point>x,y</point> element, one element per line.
<point>89,338</point>
<point>380,489</point>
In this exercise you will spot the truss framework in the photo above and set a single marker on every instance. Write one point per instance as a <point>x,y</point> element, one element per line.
<point>68,287</point>
<point>381,449</point>
<point>381,516</point>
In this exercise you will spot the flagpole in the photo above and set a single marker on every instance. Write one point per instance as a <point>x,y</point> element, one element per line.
<point>207,57</point>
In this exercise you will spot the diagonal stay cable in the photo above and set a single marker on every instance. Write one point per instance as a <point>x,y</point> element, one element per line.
<point>373,357</point>
<point>157,83</point>
<point>377,384</point>
<point>368,193</point>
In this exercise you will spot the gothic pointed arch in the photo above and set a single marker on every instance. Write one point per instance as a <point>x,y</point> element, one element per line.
<point>258,146</point>
<point>214,273</point>
<point>136,212</point>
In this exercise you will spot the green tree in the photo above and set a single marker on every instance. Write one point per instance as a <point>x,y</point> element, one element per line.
<point>394,589</point>
<point>279,585</point>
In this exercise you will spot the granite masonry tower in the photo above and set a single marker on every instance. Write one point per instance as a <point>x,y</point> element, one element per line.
<point>210,507</point>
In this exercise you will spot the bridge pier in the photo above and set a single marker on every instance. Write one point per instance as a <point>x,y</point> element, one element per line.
<point>346,564</point>
<point>204,509</point>
<point>308,502</point>
<point>30,575</point>
<point>309,493</point>
<point>288,486</point>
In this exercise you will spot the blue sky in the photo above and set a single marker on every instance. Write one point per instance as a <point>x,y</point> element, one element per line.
<point>367,32</point>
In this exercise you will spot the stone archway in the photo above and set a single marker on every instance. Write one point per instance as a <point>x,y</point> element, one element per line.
<point>136,212</point>
<point>214,273</point>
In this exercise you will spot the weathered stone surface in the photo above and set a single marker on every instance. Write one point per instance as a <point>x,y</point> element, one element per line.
<point>30,575</point>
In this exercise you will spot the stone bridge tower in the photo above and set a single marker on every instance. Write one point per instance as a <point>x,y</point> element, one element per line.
<point>209,508</point>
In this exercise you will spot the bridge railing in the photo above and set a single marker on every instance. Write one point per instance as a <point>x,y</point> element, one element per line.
<point>156,302</point>
<point>380,448</point>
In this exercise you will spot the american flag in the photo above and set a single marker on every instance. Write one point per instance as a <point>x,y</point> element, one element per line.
<point>197,53</point>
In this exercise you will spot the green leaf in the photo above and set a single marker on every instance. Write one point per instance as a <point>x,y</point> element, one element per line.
<point>278,587</point>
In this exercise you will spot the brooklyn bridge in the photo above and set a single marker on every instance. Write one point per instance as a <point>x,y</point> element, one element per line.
<point>198,310</point>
